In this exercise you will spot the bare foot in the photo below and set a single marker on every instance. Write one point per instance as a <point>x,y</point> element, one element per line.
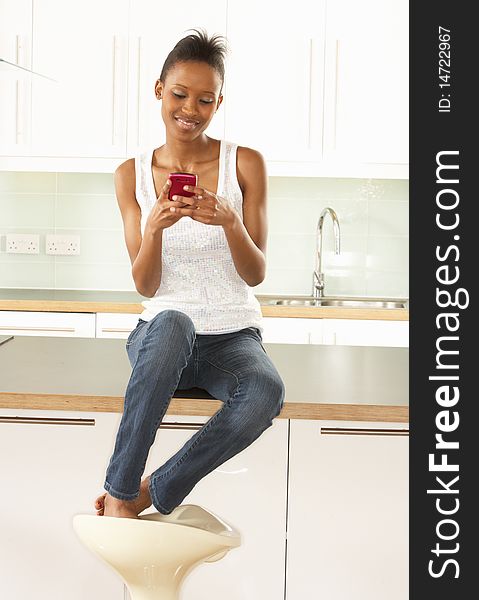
<point>109,506</point>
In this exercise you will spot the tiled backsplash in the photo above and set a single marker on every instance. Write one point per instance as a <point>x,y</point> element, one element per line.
<point>373,216</point>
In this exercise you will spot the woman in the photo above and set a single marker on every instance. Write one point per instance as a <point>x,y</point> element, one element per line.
<point>197,259</point>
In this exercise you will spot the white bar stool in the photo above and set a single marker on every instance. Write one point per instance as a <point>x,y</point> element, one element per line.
<point>154,553</point>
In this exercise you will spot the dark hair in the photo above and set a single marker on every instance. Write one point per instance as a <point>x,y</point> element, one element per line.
<point>198,47</point>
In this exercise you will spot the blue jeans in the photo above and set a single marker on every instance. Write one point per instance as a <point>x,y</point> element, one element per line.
<point>166,354</point>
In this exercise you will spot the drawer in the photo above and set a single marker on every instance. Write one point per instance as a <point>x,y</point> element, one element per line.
<point>47,323</point>
<point>115,325</point>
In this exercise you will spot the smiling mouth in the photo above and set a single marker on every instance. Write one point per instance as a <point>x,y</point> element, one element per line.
<point>186,124</point>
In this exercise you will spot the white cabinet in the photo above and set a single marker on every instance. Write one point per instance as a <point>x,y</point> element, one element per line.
<point>154,31</point>
<point>115,325</point>
<point>47,323</point>
<point>317,93</point>
<point>57,470</point>
<point>15,100</point>
<point>366,332</point>
<point>50,472</point>
<point>278,330</point>
<point>366,93</point>
<point>341,332</point>
<point>347,512</point>
<point>248,491</point>
<point>84,46</point>
<point>274,90</point>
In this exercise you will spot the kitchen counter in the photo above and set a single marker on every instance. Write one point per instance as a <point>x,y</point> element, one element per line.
<point>91,374</point>
<point>130,302</point>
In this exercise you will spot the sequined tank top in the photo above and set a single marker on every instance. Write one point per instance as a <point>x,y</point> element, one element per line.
<point>198,274</point>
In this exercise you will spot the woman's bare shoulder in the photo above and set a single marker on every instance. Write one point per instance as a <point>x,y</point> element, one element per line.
<point>125,172</point>
<point>125,181</point>
<point>251,166</point>
<point>249,156</point>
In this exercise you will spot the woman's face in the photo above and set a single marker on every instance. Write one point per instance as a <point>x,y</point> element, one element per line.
<point>191,96</point>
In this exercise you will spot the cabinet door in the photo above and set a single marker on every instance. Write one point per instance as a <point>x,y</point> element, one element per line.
<point>366,87</point>
<point>347,512</point>
<point>349,332</point>
<point>273,98</point>
<point>15,47</point>
<point>52,472</point>
<point>154,31</point>
<point>115,325</point>
<point>84,46</point>
<point>278,330</point>
<point>249,492</point>
<point>47,323</point>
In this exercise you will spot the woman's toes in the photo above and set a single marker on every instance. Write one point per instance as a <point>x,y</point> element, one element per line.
<point>100,502</point>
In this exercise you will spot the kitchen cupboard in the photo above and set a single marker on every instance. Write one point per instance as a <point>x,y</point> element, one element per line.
<point>15,47</point>
<point>280,330</point>
<point>57,471</point>
<point>277,330</point>
<point>115,325</point>
<point>366,332</point>
<point>52,471</point>
<point>84,46</point>
<point>152,36</point>
<point>367,91</point>
<point>275,78</point>
<point>249,492</point>
<point>306,86</point>
<point>47,323</point>
<point>347,531</point>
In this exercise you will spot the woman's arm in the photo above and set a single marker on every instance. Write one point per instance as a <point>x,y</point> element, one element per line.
<point>145,253</point>
<point>247,238</point>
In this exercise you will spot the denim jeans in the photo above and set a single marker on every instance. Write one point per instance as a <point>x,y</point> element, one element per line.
<point>166,354</point>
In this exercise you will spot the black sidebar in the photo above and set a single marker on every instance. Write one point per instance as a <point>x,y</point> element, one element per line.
<point>444,261</point>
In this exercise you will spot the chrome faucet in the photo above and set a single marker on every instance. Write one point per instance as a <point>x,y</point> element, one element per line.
<point>318,276</point>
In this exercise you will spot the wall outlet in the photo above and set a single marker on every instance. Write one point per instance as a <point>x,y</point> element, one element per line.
<point>63,245</point>
<point>23,243</point>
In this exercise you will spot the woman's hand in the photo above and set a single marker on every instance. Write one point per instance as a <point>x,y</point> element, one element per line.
<point>205,207</point>
<point>161,216</point>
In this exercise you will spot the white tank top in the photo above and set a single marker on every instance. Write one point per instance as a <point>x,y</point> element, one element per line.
<point>198,274</point>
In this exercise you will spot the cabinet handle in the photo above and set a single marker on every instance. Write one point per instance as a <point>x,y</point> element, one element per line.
<point>116,330</point>
<point>20,328</point>
<point>90,422</point>
<point>20,95</point>
<point>310,99</point>
<point>46,421</point>
<point>181,425</point>
<point>362,431</point>
<point>115,99</point>
<point>138,96</point>
<point>336,84</point>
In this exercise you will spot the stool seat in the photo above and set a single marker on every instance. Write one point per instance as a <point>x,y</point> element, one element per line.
<point>154,553</point>
<point>193,393</point>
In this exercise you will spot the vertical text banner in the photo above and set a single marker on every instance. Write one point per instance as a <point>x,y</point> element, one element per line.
<point>444,443</point>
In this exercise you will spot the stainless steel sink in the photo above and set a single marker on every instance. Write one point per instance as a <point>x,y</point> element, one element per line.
<point>340,302</point>
<point>361,303</point>
<point>294,302</point>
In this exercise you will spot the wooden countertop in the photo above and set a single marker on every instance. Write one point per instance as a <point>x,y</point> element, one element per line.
<point>130,302</point>
<point>91,374</point>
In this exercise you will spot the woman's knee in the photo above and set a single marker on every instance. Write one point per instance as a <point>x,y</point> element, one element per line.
<point>276,393</point>
<point>265,390</point>
<point>172,322</point>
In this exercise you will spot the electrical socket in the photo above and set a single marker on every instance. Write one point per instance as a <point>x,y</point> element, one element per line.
<point>64,245</point>
<point>23,243</point>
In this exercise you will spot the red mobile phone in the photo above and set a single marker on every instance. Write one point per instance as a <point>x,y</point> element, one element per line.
<point>178,180</point>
